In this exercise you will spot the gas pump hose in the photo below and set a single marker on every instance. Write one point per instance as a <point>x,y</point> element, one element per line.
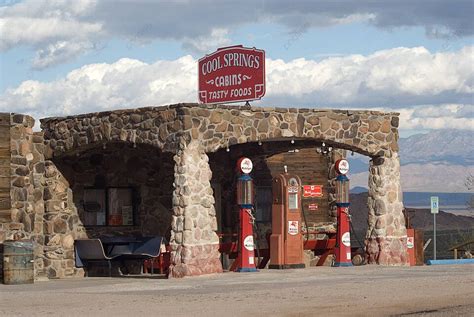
<point>357,238</point>
<point>305,223</point>
<point>256,236</point>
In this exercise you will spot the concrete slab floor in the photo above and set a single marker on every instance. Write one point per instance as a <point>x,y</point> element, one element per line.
<point>356,291</point>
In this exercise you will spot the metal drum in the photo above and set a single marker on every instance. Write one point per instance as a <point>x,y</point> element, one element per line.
<point>18,262</point>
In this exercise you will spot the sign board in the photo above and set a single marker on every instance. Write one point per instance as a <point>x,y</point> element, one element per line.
<point>248,243</point>
<point>434,204</point>
<point>313,207</point>
<point>245,165</point>
<point>346,239</point>
<point>342,166</point>
<point>312,191</point>
<point>293,227</point>
<point>232,74</point>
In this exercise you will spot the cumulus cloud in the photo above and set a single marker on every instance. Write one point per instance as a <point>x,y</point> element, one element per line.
<point>390,78</point>
<point>58,30</point>
<point>49,25</point>
<point>430,90</point>
<point>444,116</point>
<point>97,87</point>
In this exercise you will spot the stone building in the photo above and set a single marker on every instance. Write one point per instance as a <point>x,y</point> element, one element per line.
<point>169,171</point>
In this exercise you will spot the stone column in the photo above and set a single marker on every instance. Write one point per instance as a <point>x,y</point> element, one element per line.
<point>194,242</point>
<point>386,240</point>
<point>27,167</point>
<point>61,225</point>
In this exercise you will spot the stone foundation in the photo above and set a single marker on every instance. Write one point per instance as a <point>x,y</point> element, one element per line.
<point>195,260</point>
<point>387,251</point>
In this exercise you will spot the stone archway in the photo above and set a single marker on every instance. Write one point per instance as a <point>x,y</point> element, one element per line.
<point>189,131</point>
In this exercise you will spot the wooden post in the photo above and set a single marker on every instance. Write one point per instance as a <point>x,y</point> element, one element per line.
<point>455,254</point>
<point>5,162</point>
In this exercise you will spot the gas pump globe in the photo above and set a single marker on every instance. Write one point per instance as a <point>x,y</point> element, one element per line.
<point>343,241</point>
<point>342,191</point>
<point>245,197</point>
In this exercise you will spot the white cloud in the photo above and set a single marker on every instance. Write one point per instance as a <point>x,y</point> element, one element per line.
<point>46,25</point>
<point>444,116</point>
<point>57,30</point>
<point>401,79</point>
<point>124,84</point>
<point>59,52</point>
<point>390,78</point>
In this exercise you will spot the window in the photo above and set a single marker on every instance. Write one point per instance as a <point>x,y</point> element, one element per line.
<point>94,207</point>
<point>263,204</point>
<point>120,211</point>
<point>108,207</point>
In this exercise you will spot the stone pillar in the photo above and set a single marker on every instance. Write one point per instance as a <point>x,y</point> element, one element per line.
<point>61,225</point>
<point>386,240</point>
<point>194,242</point>
<point>27,167</point>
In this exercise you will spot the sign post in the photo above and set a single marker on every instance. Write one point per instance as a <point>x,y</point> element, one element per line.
<point>434,211</point>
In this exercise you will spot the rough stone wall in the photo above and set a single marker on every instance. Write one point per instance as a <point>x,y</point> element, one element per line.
<point>386,240</point>
<point>370,133</point>
<point>367,132</point>
<point>144,169</point>
<point>194,242</point>
<point>38,203</point>
<point>158,126</point>
<point>61,225</point>
<point>27,168</point>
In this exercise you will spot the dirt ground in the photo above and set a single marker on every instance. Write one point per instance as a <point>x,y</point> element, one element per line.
<point>324,291</point>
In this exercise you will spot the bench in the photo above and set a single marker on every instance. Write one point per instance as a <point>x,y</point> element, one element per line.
<point>119,249</point>
<point>147,249</point>
<point>91,250</point>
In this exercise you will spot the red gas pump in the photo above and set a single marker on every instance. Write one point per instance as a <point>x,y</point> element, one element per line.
<point>245,200</point>
<point>343,240</point>
<point>286,240</point>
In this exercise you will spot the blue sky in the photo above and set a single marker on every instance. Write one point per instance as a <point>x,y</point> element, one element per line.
<point>413,57</point>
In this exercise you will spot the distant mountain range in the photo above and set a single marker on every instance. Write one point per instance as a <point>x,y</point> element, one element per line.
<point>438,161</point>
<point>452,147</point>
